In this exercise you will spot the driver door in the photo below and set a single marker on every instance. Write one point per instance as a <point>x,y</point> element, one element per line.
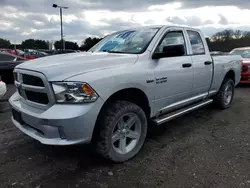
<point>173,75</point>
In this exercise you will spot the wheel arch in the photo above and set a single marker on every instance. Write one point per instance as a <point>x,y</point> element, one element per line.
<point>230,74</point>
<point>133,95</point>
<point>219,98</point>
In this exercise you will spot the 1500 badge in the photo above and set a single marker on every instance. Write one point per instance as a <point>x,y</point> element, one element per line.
<point>158,80</point>
<point>161,80</point>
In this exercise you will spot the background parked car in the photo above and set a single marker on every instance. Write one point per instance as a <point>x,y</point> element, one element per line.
<point>34,54</point>
<point>16,52</point>
<point>49,52</point>
<point>245,72</point>
<point>3,88</point>
<point>56,52</point>
<point>214,53</point>
<point>7,64</point>
<point>240,51</point>
<point>10,57</point>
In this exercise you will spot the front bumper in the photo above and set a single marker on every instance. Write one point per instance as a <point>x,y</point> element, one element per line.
<point>58,125</point>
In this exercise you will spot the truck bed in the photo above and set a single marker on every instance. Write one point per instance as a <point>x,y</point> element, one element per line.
<point>225,63</point>
<point>226,58</point>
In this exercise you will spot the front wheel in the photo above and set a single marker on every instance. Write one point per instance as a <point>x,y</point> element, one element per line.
<point>225,95</point>
<point>123,129</point>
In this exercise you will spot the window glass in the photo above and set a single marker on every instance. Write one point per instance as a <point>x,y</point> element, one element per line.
<point>196,43</point>
<point>240,52</point>
<point>129,41</point>
<point>171,39</point>
<point>6,57</point>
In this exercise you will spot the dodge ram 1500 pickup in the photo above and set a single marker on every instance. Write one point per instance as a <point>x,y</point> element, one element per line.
<point>109,95</point>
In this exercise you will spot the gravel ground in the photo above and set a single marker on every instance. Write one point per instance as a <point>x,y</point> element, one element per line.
<point>207,148</point>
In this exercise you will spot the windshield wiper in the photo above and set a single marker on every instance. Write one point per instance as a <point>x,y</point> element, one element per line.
<point>110,51</point>
<point>115,51</point>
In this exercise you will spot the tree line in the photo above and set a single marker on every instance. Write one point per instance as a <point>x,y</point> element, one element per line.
<point>42,44</point>
<point>229,39</point>
<point>223,41</point>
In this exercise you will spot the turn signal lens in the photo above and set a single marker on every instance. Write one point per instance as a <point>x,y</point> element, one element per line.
<point>87,89</point>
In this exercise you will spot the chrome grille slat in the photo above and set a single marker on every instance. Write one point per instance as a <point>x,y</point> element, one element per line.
<point>34,88</point>
<point>36,92</point>
<point>31,88</point>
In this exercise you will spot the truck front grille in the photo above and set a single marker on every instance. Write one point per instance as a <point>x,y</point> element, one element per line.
<point>32,80</point>
<point>33,87</point>
<point>37,97</point>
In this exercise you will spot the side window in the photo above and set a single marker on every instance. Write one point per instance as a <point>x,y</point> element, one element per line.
<point>196,43</point>
<point>6,57</point>
<point>171,41</point>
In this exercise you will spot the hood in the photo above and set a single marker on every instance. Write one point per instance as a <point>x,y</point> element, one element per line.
<point>61,67</point>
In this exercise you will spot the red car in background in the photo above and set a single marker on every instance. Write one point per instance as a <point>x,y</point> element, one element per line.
<point>31,54</point>
<point>34,54</point>
<point>245,71</point>
<point>16,52</point>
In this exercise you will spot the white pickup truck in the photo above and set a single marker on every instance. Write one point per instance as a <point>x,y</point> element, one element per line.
<point>110,94</point>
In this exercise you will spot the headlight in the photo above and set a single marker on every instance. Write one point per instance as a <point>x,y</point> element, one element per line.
<point>73,92</point>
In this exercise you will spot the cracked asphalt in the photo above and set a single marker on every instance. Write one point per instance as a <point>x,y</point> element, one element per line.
<point>206,148</point>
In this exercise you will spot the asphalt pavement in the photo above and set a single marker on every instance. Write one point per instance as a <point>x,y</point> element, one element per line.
<point>207,148</point>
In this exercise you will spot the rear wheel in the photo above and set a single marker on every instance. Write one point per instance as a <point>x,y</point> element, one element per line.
<point>123,129</point>
<point>225,95</point>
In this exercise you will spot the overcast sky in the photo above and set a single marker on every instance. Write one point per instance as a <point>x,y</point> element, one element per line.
<point>23,19</point>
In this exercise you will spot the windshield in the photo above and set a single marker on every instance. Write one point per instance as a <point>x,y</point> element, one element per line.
<point>239,52</point>
<point>246,55</point>
<point>129,41</point>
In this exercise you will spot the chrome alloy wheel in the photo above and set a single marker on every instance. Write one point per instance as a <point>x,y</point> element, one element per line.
<point>228,94</point>
<point>126,133</point>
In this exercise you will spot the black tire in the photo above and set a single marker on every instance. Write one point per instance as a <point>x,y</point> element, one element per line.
<point>220,98</point>
<point>108,121</point>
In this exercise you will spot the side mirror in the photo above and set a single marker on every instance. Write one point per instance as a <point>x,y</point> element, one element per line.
<point>170,51</point>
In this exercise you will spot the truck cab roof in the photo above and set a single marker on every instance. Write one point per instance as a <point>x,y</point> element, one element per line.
<point>166,26</point>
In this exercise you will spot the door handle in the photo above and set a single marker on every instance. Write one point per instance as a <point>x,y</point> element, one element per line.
<point>186,65</point>
<point>207,62</point>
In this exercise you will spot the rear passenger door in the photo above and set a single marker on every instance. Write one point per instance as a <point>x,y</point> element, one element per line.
<point>202,63</point>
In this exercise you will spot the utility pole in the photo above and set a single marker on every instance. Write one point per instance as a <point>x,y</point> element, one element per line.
<point>63,44</point>
<point>61,7</point>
